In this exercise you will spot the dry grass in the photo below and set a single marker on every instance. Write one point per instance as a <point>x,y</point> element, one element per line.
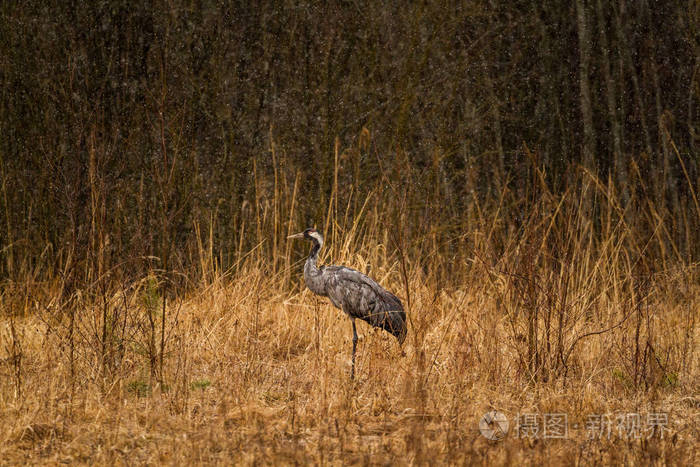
<point>554,316</point>
<point>264,378</point>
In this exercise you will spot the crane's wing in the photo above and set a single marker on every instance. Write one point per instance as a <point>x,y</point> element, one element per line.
<point>361,297</point>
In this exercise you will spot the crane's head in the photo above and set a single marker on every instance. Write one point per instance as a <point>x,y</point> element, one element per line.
<point>310,234</point>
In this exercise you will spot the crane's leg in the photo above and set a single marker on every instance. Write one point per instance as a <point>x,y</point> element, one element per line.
<point>354,347</point>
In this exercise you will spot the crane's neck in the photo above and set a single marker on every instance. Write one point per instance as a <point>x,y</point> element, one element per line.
<point>312,274</point>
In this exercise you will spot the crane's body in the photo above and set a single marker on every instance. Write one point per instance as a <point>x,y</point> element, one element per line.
<point>356,294</point>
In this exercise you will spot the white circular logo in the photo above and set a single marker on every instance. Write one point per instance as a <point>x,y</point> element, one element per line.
<point>493,425</point>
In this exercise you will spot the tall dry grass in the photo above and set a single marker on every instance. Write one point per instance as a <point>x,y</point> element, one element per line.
<point>526,302</point>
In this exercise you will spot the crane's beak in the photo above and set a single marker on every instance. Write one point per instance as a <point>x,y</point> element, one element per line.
<point>299,235</point>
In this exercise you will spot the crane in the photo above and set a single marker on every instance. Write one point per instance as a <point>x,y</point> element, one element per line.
<point>356,294</point>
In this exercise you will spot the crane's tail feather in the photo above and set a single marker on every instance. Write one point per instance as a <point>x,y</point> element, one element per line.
<point>392,321</point>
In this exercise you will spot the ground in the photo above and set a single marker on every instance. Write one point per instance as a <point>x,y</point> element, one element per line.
<point>263,378</point>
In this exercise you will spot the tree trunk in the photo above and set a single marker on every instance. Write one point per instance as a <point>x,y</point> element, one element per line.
<point>584,43</point>
<point>618,163</point>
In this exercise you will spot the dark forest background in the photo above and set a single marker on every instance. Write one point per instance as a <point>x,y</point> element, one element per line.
<point>135,136</point>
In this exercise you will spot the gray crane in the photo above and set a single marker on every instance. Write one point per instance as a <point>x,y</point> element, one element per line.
<point>353,292</point>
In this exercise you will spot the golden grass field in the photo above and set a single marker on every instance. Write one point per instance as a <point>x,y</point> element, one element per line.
<point>254,369</point>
